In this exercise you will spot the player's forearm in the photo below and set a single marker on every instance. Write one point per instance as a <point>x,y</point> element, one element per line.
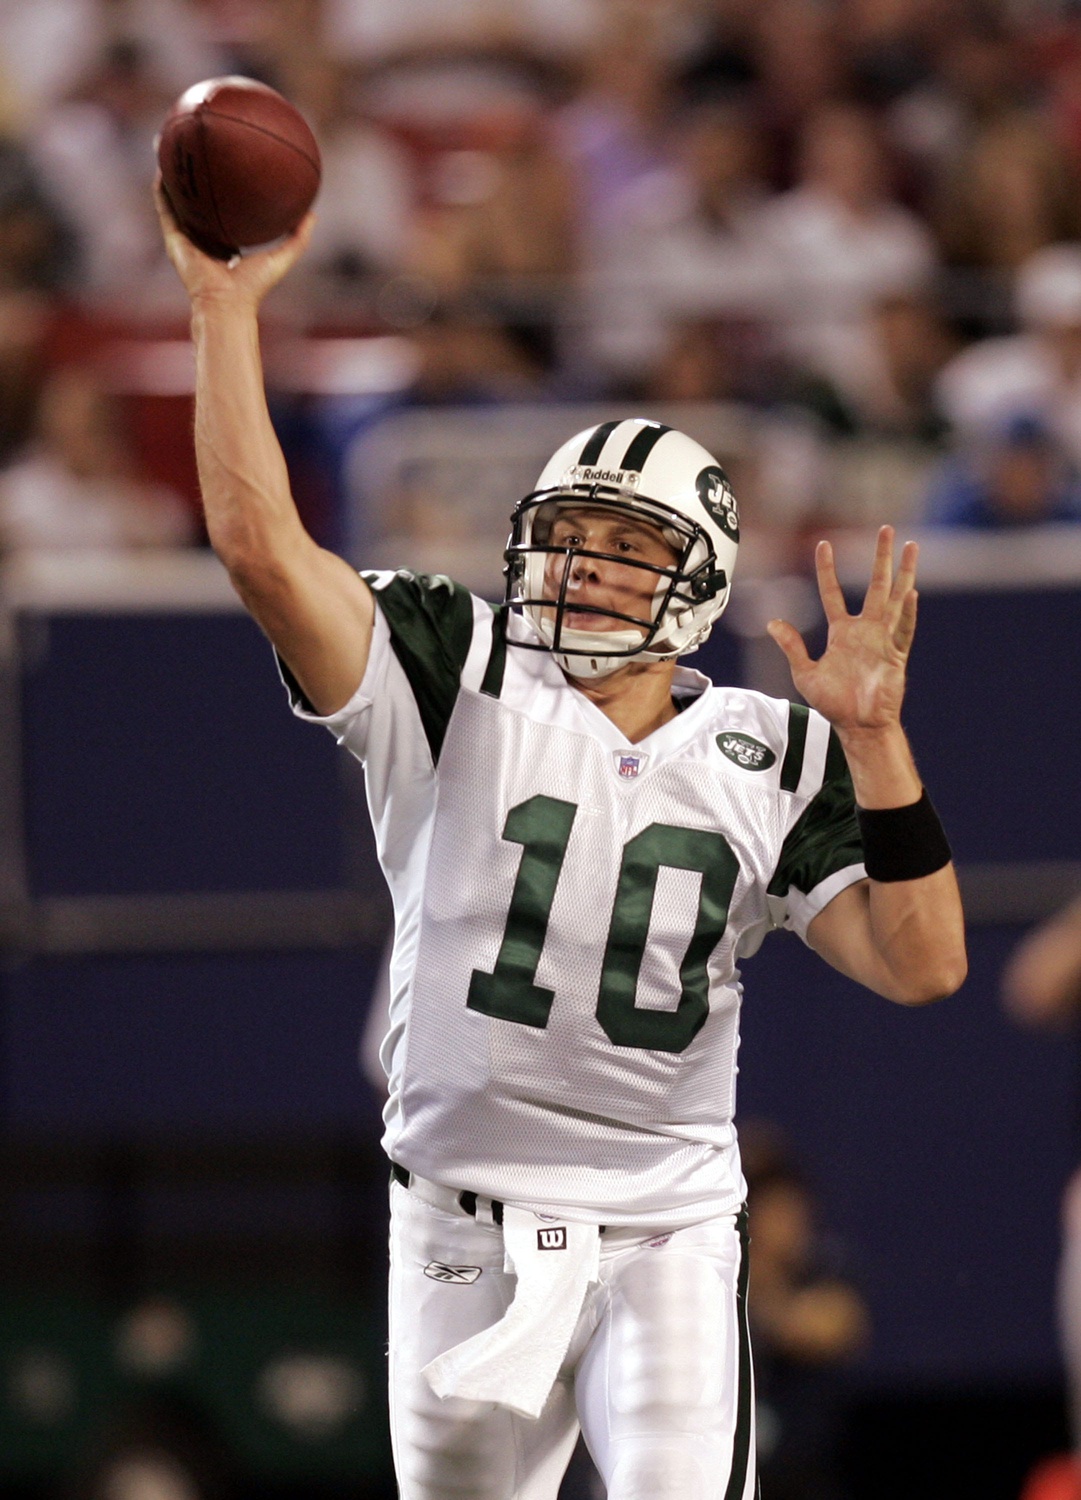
<point>883,771</point>
<point>250,514</point>
<point>905,939</point>
<point>917,930</point>
<point>917,925</point>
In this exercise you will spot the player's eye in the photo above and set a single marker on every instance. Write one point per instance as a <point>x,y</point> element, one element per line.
<point>625,546</point>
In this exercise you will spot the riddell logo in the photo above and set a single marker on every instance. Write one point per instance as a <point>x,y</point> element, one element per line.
<point>552,1239</point>
<point>587,474</point>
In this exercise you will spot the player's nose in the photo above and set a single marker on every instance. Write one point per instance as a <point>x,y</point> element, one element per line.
<point>583,569</point>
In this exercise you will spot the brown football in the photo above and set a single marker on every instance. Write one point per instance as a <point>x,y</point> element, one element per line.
<point>239,164</point>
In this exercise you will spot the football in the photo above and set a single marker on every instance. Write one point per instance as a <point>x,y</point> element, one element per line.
<point>239,165</point>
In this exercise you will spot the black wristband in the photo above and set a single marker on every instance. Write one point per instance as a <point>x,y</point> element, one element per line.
<point>903,843</point>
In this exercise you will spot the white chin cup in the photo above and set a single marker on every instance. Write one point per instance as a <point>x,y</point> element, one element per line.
<point>589,653</point>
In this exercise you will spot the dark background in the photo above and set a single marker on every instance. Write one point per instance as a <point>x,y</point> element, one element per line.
<point>179,1122</point>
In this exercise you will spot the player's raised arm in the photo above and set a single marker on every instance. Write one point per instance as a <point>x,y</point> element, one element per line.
<point>902,932</point>
<point>314,607</point>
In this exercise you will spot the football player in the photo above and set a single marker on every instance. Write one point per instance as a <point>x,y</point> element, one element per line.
<point>583,841</point>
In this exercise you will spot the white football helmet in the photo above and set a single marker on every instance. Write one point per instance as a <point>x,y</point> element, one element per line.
<point>654,474</point>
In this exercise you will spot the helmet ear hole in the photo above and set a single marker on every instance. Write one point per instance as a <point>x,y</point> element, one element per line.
<point>709,585</point>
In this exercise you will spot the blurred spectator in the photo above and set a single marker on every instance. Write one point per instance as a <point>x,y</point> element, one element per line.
<point>887,42</point>
<point>35,259</point>
<point>76,486</point>
<point>806,1321</point>
<point>95,153</point>
<point>976,74</point>
<point>683,247</point>
<point>464,360</point>
<point>365,205</point>
<point>614,132</point>
<point>24,321</point>
<point>49,45</point>
<point>35,243</point>
<point>694,365</point>
<point>499,236</point>
<point>275,41</point>
<point>1037,370</point>
<point>721,63</point>
<point>843,246</point>
<point>1011,192</point>
<point>1053,48</point>
<point>800,66</point>
<point>1016,476</point>
<point>375,29</point>
<point>897,394</point>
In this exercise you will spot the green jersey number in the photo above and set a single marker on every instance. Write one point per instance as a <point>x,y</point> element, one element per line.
<point>543,827</point>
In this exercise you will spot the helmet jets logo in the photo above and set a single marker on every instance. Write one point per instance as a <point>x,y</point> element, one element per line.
<point>715,493</point>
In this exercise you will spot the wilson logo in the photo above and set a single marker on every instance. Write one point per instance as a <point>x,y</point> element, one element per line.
<point>463,1275</point>
<point>744,751</point>
<point>552,1239</point>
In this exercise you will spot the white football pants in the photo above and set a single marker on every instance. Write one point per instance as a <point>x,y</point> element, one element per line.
<point>658,1374</point>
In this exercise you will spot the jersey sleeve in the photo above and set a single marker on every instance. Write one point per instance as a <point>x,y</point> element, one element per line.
<point>822,852</point>
<point>430,636</point>
<point>424,629</point>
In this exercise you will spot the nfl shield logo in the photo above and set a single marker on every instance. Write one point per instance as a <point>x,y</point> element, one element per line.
<point>628,766</point>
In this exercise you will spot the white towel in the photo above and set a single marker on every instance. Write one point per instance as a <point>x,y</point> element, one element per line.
<point>516,1361</point>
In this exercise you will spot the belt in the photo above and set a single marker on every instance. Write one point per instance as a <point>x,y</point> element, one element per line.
<point>448,1198</point>
<point>445,1197</point>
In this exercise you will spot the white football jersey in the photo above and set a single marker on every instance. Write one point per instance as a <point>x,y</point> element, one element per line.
<point>571,909</point>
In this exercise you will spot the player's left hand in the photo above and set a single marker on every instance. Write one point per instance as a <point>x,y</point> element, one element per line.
<point>858,682</point>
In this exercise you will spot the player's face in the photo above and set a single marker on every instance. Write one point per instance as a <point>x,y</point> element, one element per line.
<point>599,586</point>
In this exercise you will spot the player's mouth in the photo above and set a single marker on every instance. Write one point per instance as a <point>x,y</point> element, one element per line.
<point>599,616</point>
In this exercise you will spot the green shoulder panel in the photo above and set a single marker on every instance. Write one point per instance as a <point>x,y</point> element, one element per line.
<point>792,765</point>
<point>826,836</point>
<point>431,630</point>
<point>492,683</point>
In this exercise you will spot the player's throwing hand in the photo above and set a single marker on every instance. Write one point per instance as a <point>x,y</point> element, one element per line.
<point>859,680</point>
<point>245,279</point>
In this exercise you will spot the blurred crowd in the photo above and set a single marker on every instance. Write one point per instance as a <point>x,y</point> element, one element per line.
<point>864,215</point>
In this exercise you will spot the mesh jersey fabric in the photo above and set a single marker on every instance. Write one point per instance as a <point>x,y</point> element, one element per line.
<point>571,909</point>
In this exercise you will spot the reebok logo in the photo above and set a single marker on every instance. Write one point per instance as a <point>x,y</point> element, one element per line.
<point>463,1275</point>
<point>552,1239</point>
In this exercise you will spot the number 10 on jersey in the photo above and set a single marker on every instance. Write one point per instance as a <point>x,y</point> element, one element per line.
<point>542,825</point>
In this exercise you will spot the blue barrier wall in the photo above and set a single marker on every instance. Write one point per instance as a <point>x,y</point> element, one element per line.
<point>160,756</point>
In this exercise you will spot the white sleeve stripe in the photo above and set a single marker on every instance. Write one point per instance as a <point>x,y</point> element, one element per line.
<point>480,647</point>
<point>362,697</point>
<point>802,909</point>
<point>814,756</point>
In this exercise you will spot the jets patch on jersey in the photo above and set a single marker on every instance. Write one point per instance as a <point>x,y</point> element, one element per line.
<point>571,910</point>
